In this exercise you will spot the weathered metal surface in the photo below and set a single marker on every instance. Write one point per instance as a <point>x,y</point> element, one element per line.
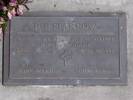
<point>66,50</point>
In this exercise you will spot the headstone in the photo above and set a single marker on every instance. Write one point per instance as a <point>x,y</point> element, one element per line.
<point>65,49</point>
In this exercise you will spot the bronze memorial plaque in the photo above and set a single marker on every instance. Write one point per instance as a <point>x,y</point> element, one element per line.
<point>66,49</point>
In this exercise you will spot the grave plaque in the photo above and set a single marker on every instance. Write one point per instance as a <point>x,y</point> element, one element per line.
<point>65,49</point>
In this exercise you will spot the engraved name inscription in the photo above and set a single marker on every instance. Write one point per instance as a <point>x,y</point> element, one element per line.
<point>58,27</point>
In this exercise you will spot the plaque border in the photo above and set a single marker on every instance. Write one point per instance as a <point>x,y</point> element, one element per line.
<point>122,80</point>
